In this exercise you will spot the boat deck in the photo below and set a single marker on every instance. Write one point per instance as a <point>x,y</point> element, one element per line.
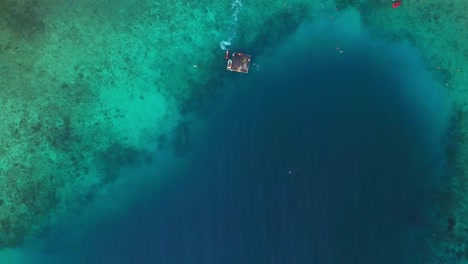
<point>239,62</point>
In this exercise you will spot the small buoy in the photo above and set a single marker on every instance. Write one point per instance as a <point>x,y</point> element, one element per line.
<point>396,4</point>
<point>195,66</point>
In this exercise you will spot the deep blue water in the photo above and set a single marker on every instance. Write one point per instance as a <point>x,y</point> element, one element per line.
<point>318,157</point>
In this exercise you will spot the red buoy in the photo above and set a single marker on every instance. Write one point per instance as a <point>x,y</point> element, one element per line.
<point>396,4</point>
<point>227,54</point>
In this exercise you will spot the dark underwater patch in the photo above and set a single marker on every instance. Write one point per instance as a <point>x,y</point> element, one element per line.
<point>22,19</point>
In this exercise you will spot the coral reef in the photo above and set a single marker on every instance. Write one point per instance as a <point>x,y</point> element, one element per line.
<point>450,243</point>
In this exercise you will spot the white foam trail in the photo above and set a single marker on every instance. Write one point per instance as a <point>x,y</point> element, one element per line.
<point>235,7</point>
<point>224,44</point>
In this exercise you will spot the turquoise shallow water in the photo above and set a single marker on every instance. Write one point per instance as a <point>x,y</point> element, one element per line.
<point>316,156</point>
